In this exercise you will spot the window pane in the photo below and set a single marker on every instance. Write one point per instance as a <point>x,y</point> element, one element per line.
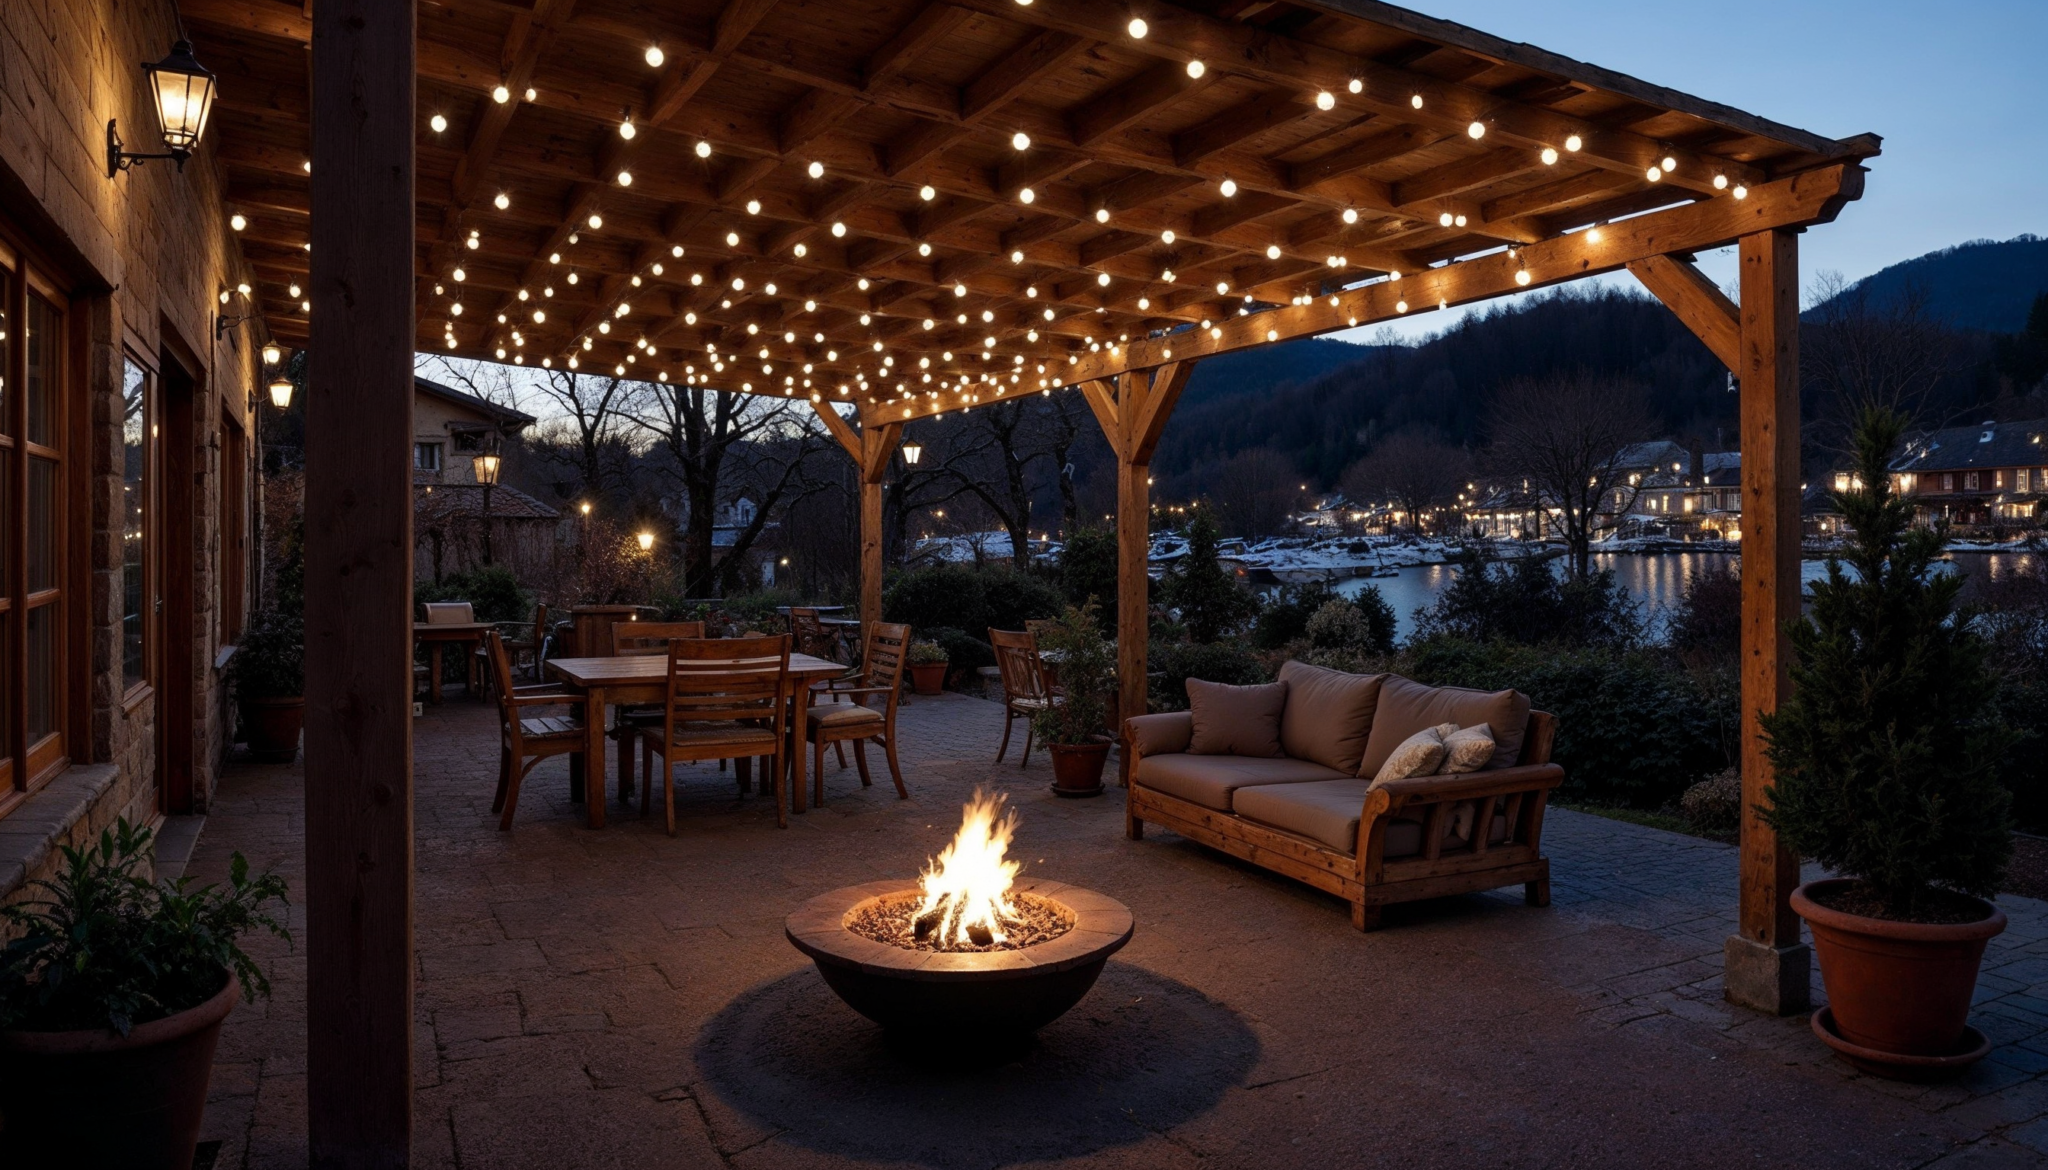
<point>6,684</point>
<point>6,358</point>
<point>6,521</point>
<point>42,672</point>
<point>134,501</point>
<point>43,345</point>
<point>42,523</point>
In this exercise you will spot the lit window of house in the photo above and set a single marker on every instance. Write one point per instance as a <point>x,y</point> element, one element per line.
<point>1948,481</point>
<point>1969,481</point>
<point>2020,478</point>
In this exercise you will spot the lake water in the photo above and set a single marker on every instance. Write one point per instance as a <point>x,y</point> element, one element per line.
<point>1657,581</point>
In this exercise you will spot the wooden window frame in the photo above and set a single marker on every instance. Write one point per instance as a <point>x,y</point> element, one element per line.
<point>134,694</point>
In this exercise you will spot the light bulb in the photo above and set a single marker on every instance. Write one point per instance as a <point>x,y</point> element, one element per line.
<point>1196,69</point>
<point>438,122</point>
<point>1476,129</point>
<point>1416,101</point>
<point>1102,215</point>
<point>1272,251</point>
<point>503,201</point>
<point>626,130</point>
<point>1669,164</point>
<point>1017,256</point>
<point>838,229</point>
<point>1222,287</point>
<point>1102,279</point>
<point>1138,28</point>
<point>959,290</point>
<point>1325,100</point>
<point>238,221</point>
<point>927,192</point>
<point>753,207</point>
<point>1020,140</point>
<point>625,178</point>
<point>501,95</point>
<point>1444,220</point>
<point>703,150</point>
<point>1741,192</point>
<point>1166,236</point>
<point>1228,187</point>
<point>1521,276</point>
<point>1026,195</point>
<point>816,170</point>
<point>1653,174</point>
<point>1550,156</point>
<point>531,93</point>
<point>1357,85</point>
<point>595,221</point>
<point>732,239</point>
<point>1720,182</point>
<point>1400,306</point>
<point>924,249</point>
<point>1572,144</point>
<point>1351,215</point>
<point>655,56</point>
<point>1593,235</point>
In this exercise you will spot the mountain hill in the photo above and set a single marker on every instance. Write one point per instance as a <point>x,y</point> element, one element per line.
<point>1985,285</point>
<point>1262,371</point>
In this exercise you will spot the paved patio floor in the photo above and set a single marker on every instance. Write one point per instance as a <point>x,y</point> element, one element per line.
<point>623,999</point>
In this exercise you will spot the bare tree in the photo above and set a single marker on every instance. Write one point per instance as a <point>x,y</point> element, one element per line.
<point>1565,435</point>
<point>1254,492</point>
<point>587,420</point>
<point>1416,472</point>
<point>1860,352</point>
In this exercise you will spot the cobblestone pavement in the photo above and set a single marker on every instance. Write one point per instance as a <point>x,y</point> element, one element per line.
<point>623,999</point>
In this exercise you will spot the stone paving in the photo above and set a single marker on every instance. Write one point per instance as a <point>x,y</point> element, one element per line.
<point>624,999</point>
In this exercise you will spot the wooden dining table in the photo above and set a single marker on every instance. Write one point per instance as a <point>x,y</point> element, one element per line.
<point>643,678</point>
<point>468,635</point>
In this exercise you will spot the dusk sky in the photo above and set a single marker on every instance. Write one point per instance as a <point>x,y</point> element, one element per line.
<point>1957,88</point>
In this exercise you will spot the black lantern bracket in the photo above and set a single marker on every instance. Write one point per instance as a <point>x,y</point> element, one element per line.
<point>119,160</point>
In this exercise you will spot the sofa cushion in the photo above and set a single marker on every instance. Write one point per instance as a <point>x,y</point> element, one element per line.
<point>1467,750</point>
<point>1328,716</point>
<point>1406,707</point>
<point>1210,780</point>
<point>1420,754</point>
<point>1236,721</point>
<point>1161,734</point>
<point>1325,811</point>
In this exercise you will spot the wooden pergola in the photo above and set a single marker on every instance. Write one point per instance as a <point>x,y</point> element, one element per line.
<point>899,208</point>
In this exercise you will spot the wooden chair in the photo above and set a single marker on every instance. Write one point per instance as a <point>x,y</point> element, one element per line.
<point>524,742</point>
<point>836,723</point>
<point>1025,693</point>
<point>728,699</point>
<point>807,634</point>
<point>521,638</point>
<point>455,613</point>
<point>634,640</point>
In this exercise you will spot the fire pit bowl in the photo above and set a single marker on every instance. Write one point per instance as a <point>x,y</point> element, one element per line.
<point>959,1002</point>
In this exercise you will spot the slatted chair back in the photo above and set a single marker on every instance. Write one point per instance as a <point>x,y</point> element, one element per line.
<point>540,625</point>
<point>1017,660</point>
<point>719,680</point>
<point>807,630</point>
<point>501,676</point>
<point>887,649</point>
<point>634,639</point>
<point>450,613</point>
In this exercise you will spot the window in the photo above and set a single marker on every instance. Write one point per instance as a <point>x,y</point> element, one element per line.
<point>138,514</point>
<point>426,457</point>
<point>2020,478</point>
<point>1969,481</point>
<point>1948,481</point>
<point>32,513</point>
<point>469,442</point>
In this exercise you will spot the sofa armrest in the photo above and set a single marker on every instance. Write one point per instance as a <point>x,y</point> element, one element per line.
<point>1159,735</point>
<point>1463,786</point>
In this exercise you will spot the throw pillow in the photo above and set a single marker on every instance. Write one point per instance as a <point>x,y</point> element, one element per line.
<point>1468,750</point>
<point>1328,715</point>
<point>1236,721</point>
<point>1418,755</point>
<point>1406,707</point>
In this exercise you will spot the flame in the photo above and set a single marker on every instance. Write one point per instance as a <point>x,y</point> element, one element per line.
<point>968,884</point>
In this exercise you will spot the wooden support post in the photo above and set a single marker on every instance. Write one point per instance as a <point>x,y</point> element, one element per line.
<point>1767,967</point>
<point>359,825</point>
<point>1133,417</point>
<point>870,449</point>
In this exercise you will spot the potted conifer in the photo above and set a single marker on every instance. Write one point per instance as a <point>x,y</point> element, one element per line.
<point>112,993</point>
<point>1886,759</point>
<point>927,662</point>
<point>1071,728</point>
<point>268,673</point>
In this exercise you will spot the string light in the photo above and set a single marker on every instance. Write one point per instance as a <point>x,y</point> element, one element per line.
<point>1550,156</point>
<point>1357,85</point>
<point>1020,140</point>
<point>501,95</point>
<point>1026,195</point>
<point>238,221</point>
<point>1351,215</point>
<point>655,56</point>
<point>626,130</point>
<point>1572,144</point>
<point>1476,129</point>
<point>816,170</point>
<point>503,201</point>
<point>1720,182</point>
<point>753,207</point>
<point>1325,100</point>
<point>1228,187</point>
<point>1196,69</point>
<point>438,122</point>
<point>703,149</point>
<point>1138,28</point>
<point>1272,251</point>
<point>1102,215</point>
<point>1166,236</point>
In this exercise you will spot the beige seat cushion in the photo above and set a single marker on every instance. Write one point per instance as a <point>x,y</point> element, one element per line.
<point>1210,780</point>
<point>1236,721</point>
<point>841,716</point>
<point>1406,707</point>
<point>1328,715</point>
<point>1325,811</point>
<point>1467,750</point>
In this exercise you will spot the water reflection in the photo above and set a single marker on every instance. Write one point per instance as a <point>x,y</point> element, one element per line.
<point>1657,582</point>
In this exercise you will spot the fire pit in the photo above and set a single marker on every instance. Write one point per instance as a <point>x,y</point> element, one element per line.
<point>968,962</point>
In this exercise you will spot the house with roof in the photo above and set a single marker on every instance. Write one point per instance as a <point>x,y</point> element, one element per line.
<point>464,513</point>
<point>1989,473</point>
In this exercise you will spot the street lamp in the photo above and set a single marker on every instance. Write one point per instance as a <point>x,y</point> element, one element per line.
<point>912,452</point>
<point>488,464</point>
<point>646,542</point>
<point>183,90</point>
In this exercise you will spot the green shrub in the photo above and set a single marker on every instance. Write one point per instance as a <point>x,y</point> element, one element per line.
<point>1888,750</point>
<point>1088,569</point>
<point>491,590</point>
<point>1708,619</point>
<point>1286,614</point>
<point>1172,664</point>
<point>950,596</point>
<point>1362,627</point>
<point>926,653</point>
<point>270,657</point>
<point>1526,602</point>
<point>103,946</point>
<point>966,652</point>
<point>1087,670</point>
<point>1208,597</point>
<point>1631,727</point>
<point>1015,598</point>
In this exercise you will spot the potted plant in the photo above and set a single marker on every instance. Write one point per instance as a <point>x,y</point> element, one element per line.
<point>1886,759</point>
<point>927,662</point>
<point>1072,728</point>
<point>268,673</point>
<point>112,993</point>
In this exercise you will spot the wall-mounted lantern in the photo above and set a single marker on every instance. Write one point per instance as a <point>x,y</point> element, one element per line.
<point>281,392</point>
<point>183,93</point>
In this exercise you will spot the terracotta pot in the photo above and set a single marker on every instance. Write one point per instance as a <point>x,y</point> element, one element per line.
<point>97,1099</point>
<point>928,678</point>
<point>1899,988</point>
<point>1077,767</point>
<point>273,728</point>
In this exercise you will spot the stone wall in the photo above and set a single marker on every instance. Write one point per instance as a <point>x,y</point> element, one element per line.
<point>145,255</point>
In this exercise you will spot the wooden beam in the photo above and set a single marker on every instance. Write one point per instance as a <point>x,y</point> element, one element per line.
<point>879,444</point>
<point>849,441</point>
<point>1766,966</point>
<point>1704,309</point>
<point>1150,423</point>
<point>358,515</point>
<point>1101,398</point>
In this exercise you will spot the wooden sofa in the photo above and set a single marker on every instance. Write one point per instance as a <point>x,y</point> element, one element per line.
<point>1297,814</point>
